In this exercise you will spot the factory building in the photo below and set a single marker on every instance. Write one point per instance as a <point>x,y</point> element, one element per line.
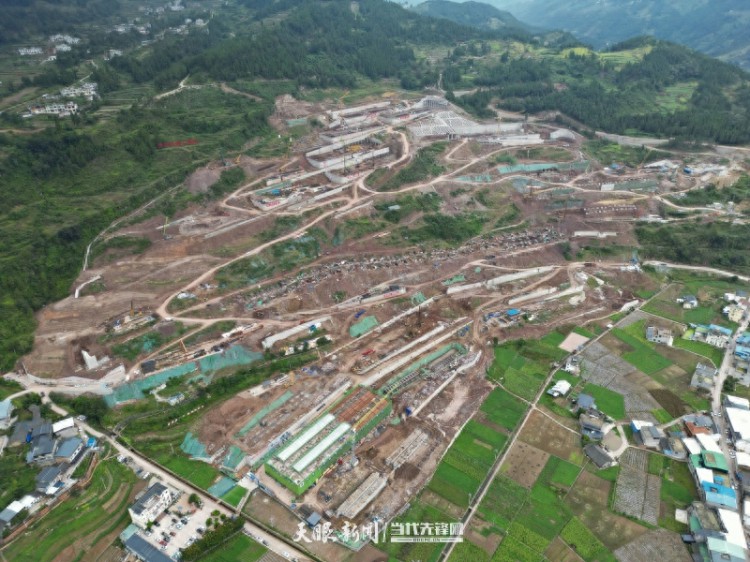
<point>305,458</point>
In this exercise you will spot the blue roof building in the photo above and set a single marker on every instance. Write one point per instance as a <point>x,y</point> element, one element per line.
<point>513,312</point>
<point>719,496</point>
<point>586,401</point>
<point>744,338</point>
<point>91,443</point>
<point>721,329</point>
<point>742,352</point>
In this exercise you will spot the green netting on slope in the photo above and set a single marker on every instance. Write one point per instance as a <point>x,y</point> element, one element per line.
<point>454,279</point>
<point>159,378</point>
<point>363,326</point>
<point>543,167</point>
<point>191,446</point>
<point>481,178</point>
<point>233,458</point>
<point>221,487</point>
<point>256,419</point>
<point>123,393</point>
<point>418,298</point>
<point>232,357</point>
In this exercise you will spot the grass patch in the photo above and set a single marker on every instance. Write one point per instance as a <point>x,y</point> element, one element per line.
<point>240,547</point>
<point>467,551</point>
<point>608,401</point>
<point>234,496</point>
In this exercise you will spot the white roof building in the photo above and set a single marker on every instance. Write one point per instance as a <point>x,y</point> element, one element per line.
<point>692,445</point>
<point>704,475</point>
<point>739,424</point>
<point>737,402</point>
<point>708,442</point>
<point>731,521</point>
<point>743,460</point>
<point>62,425</point>
<point>561,388</point>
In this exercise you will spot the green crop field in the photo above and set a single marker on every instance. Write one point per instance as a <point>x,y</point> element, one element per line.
<point>502,502</point>
<point>199,473</point>
<point>503,409</point>
<point>584,542</point>
<point>84,520</point>
<point>240,547</point>
<point>512,550</point>
<point>521,366</point>
<point>466,463</point>
<point>608,401</point>
<point>643,358</point>
<point>559,473</point>
<point>467,551</point>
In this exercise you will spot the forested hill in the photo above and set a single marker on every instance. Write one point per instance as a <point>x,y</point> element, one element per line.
<point>642,86</point>
<point>316,43</point>
<point>719,28</point>
<point>474,14</point>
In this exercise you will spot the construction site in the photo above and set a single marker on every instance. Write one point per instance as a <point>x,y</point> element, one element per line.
<point>395,297</point>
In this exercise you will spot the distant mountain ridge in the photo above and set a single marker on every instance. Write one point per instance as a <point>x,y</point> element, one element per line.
<point>474,14</point>
<point>720,28</point>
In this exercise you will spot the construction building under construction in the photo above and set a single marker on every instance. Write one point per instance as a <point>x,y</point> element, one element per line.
<point>305,458</point>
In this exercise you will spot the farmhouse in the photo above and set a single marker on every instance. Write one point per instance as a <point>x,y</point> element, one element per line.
<point>585,402</point>
<point>148,507</point>
<point>735,312</point>
<point>714,335</point>
<point>704,377</point>
<point>561,388</point>
<point>594,424</point>
<point>599,456</point>
<point>688,301</point>
<point>659,335</point>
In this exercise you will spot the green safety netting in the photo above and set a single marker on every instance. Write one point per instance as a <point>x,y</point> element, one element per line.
<point>233,458</point>
<point>543,167</point>
<point>221,487</point>
<point>232,357</point>
<point>418,298</point>
<point>454,279</point>
<point>256,419</point>
<point>191,446</point>
<point>363,326</point>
